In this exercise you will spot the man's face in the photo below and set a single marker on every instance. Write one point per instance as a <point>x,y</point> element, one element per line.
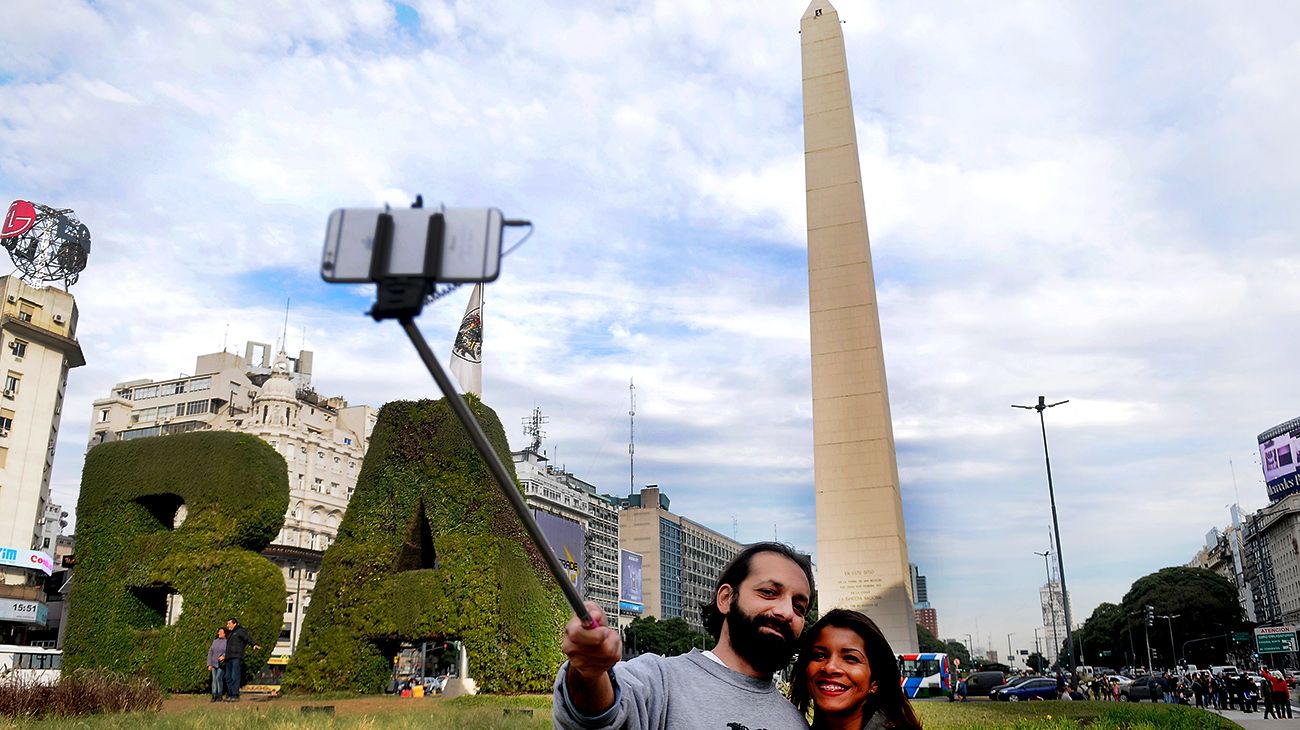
<point>765,613</point>
<point>230,626</point>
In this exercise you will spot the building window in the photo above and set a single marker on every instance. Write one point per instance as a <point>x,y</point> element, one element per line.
<point>19,348</point>
<point>200,384</point>
<point>6,422</point>
<point>11,384</point>
<point>103,415</point>
<point>25,312</point>
<point>178,387</point>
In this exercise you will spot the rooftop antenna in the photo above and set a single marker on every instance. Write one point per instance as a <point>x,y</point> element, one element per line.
<point>631,441</point>
<point>284,333</point>
<point>735,528</point>
<point>1235,492</point>
<point>225,339</point>
<point>533,429</point>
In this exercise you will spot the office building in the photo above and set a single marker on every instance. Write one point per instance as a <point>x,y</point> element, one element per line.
<point>557,492</point>
<point>322,439</point>
<point>681,559</point>
<point>38,346</point>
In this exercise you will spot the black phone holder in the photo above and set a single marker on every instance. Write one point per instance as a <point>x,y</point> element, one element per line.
<point>403,297</point>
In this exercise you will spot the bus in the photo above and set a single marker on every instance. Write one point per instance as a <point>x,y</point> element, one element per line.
<point>28,665</point>
<point>927,674</point>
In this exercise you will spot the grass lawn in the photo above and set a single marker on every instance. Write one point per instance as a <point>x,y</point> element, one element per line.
<point>388,713</point>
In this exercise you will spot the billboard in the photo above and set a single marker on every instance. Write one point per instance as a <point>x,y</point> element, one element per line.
<point>566,540</point>
<point>28,612</point>
<point>629,582</point>
<point>30,559</point>
<point>1279,450</point>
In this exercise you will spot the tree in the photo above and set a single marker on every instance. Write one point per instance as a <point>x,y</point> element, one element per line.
<point>927,641</point>
<point>958,650</point>
<point>1037,662</point>
<point>674,636</point>
<point>1204,604</point>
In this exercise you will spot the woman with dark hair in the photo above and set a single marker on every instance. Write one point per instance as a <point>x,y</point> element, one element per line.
<point>217,663</point>
<point>849,674</point>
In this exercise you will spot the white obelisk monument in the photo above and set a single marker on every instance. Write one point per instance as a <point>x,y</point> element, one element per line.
<point>861,542</point>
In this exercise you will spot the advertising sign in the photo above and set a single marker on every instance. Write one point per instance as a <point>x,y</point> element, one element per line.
<point>1279,454</point>
<point>1275,639</point>
<point>30,559</point>
<point>629,584</point>
<point>28,612</point>
<point>566,540</point>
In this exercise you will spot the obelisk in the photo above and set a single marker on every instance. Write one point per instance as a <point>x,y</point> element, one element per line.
<point>861,542</point>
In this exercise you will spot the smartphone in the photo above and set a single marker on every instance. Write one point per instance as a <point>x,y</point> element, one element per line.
<point>470,248</point>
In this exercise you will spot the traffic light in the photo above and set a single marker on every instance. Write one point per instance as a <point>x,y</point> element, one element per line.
<point>1151,616</point>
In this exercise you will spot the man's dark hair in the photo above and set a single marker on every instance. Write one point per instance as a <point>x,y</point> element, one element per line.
<point>233,620</point>
<point>738,570</point>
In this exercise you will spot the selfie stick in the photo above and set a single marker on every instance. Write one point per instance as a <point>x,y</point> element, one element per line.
<point>402,298</point>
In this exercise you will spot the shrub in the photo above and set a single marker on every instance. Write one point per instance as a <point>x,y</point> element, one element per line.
<point>83,692</point>
<point>429,549</point>
<point>235,489</point>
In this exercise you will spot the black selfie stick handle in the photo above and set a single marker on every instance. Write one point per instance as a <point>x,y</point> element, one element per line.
<point>498,469</point>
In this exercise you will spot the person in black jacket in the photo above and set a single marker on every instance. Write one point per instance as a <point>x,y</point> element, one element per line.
<point>237,642</point>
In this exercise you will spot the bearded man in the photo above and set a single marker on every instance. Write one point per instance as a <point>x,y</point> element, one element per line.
<point>756,617</point>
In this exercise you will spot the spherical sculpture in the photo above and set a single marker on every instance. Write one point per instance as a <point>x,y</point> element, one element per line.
<point>46,244</point>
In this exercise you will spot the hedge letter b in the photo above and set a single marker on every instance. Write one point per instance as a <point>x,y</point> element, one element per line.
<point>175,517</point>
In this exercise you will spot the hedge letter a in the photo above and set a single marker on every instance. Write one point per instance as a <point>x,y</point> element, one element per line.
<point>179,515</point>
<point>429,551</point>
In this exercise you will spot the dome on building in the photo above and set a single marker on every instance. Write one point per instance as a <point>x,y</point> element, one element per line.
<point>279,386</point>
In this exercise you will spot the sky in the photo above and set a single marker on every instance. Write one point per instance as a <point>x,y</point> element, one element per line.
<point>1092,201</point>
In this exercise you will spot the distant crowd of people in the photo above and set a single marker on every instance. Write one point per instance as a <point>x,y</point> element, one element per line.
<point>226,660</point>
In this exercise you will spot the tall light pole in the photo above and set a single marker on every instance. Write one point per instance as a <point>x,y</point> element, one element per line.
<point>1051,605</point>
<point>1010,656</point>
<point>1041,406</point>
<point>970,646</point>
<point>1173,651</point>
<point>1037,649</point>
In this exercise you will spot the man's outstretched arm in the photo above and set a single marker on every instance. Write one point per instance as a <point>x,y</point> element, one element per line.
<point>592,653</point>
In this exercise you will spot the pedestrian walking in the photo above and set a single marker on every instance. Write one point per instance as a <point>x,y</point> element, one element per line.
<point>237,642</point>
<point>216,663</point>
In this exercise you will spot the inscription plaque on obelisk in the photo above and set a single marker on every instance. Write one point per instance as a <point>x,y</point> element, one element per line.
<point>861,542</point>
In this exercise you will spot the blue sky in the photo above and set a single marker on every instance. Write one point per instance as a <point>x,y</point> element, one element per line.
<point>1091,201</point>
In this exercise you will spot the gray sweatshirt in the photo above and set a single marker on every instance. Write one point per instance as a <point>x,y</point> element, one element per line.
<point>680,693</point>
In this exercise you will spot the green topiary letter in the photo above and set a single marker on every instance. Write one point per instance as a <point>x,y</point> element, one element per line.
<point>429,549</point>
<point>131,554</point>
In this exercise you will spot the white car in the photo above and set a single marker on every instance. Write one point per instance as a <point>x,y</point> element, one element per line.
<point>1123,681</point>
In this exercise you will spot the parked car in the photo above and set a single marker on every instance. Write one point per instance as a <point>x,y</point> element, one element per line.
<point>1123,681</point>
<point>1037,688</point>
<point>979,684</point>
<point>1139,689</point>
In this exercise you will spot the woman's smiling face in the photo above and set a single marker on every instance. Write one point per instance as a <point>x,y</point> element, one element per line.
<point>839,677</point>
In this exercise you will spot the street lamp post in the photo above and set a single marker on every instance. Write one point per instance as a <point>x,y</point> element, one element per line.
<point>1173,650</point>
<point>1037,649</point>
<point>1041,406</point>
<point>1011,659</point>
<point>970,646</point>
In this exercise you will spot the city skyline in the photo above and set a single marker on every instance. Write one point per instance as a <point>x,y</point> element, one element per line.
<point>1081,202</point>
